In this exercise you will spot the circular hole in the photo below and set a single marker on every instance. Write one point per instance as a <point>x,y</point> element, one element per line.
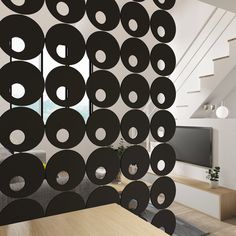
<point>133,169</point>
<point>133,61</point>
<point>100,134</point>
<point>162,1</point>
<point>161,165</point>
<point>62,135</point>
<point>18,44</point>
<point>63,9</point>
<point>161,98</point>
<point>100,56</point>
<point>61,51</point>
<point>133,25</point>
<point>133,133</point>
<point>161,65</point>
<point>133,204</point>
<point>100,173</point>
<point>161,132</point>
<point>62,177</point>
<point>17,137</point>
<point>161,31</point>
<point>133,97</point>
<point>17,183</point>
<point>100,95</point>
<point>61,93</point>
<point>18,2</point>
<point>161,198</point>
<point>100,17</point>
<point>18,91</point>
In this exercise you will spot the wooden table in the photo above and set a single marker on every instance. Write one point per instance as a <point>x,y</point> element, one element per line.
<point>105,221</point>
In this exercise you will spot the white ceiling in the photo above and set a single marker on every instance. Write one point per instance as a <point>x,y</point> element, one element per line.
<point>229,5</point>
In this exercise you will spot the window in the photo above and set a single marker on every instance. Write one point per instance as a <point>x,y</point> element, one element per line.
<point>45,63</point>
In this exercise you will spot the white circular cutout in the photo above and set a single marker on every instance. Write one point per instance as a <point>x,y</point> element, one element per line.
<point>133,61</point>
<point>18,91</point>
<point>133,204</point>
<point>161,198</point>
<point>133,133</point>
<point>161,65</point>
<point>62,177</point>
<point>100,173</point>
<point>63,135</point>
<point>133,97</point>
<point>100,95</point>
<point>17,44</point>
<point>17,137</point>
<point>61,93</point>
<point>161,31</point>
<point>18,2</point>
<point>162,1</point>
<point>100,134</point>
<point>100,17</point>
<point>133,25</point>
<point>17,183</point>
<point>100,56</point>
<point>161,98</point>
<point>61,51</point>
<point>161,165</point>
<point>63,9</point>
<point>161,131</point>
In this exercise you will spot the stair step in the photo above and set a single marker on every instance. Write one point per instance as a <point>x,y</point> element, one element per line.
<point>230,40</point>
<point>205,76</point>
<point>181,106</point>
<point>195,91</point>
<point>221,58</point>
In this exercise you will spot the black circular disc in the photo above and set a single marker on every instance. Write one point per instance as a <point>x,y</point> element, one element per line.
<point>163,152</point>
<point>109,8</point>
<point>166,5</point>
<point>29,6</point>
<point>105,42</point>
<point>65,202</point>
<point>103,196</point>
<point>135,191</point>
<point>165,20</point>
<point>135,119</point>
<point>21,210</point>
<point>137,48</point>
<point>104,119</point>
<point>135,11</point>
<point>25,120</point>
<point>163,52</point>
<point>166,186</point>
<point>70,162</point>
<point>68,36</point>
<point>76,10</point>
<point>25,74</point>
<point>106,158</point>
<point>136,156</point>
<point>107,82</point>
<point>165,219</point>
<point>165,120</point>
<point>25,165</point>
<point>138,84</point>
<point>19,26</point>
<point>69,120</point>
<point>165,86</point>
<point>69,78</point>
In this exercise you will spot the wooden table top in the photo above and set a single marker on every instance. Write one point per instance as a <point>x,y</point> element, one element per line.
<point>105,221</point>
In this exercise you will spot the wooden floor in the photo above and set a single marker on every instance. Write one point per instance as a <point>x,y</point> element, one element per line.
<point>204,222</point>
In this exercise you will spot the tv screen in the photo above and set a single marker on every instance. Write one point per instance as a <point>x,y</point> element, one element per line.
<point>193,145</point>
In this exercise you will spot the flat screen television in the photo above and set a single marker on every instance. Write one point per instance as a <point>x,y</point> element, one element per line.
<point>193,145</point>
